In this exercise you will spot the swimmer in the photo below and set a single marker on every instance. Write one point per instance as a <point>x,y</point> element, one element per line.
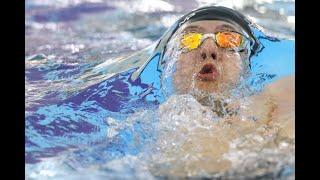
<point>214,56</point>
<point>214,46</point>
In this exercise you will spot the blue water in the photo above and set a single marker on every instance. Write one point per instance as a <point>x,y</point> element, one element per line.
<point>73,99</point>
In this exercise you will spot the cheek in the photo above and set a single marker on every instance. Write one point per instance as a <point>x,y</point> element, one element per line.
<point>232,66</point>
<point>186,64</point>
<point>185,69</point>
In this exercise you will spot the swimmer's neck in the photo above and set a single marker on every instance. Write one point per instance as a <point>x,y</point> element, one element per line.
<point>218,106</point>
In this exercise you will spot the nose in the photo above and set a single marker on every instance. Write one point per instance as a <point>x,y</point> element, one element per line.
<point>209,50</point>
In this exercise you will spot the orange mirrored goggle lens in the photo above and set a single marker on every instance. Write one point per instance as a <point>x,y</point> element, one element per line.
<point>229,39</point>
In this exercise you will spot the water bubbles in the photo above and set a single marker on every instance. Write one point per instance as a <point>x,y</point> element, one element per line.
<point>283,145</point>
<point>281,11</point>
<point>112,132</point>
<point>168,20</point>
<point>291,19</point>
<point>74,48</point>
<point>145,6</point>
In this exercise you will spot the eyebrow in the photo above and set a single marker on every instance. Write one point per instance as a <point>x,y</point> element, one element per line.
<point>227,27</point>
<point>190,28</point>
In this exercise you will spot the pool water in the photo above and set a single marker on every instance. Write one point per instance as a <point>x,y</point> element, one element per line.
<point>86,118</point>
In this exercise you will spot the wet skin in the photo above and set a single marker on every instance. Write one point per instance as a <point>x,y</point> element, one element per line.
<point>212,69</point>
<point>209,68</point>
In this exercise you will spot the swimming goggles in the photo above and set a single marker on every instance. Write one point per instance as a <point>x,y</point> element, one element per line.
<point>225,39</point>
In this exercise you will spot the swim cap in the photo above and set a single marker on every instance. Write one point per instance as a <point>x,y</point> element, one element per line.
<point>214,13</point>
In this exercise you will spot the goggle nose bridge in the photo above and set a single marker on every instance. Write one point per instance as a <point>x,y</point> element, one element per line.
<point>208,35</point>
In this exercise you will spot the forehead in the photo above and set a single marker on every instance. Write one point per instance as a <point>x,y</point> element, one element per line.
<point>210,26</point>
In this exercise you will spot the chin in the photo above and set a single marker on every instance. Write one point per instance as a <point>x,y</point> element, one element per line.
<point>217,86</point>
<point>207,86</point>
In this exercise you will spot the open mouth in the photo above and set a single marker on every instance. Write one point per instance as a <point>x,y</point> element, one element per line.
<point>208,73</point>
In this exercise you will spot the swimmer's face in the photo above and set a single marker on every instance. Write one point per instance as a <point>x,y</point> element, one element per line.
<point>209,67</point>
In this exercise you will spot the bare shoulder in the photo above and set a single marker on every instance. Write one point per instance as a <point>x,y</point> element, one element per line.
<point>275,103</point>
<point>282,90</point>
